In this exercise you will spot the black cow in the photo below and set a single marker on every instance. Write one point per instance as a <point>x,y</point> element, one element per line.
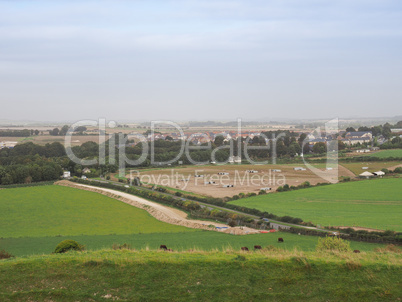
<point>356,251</point>
<point>257,247</point>
<point>244,248</point>
<point>280,239</point>
<point>163,247</point>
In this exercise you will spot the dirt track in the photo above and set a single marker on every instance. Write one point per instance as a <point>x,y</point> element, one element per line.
<point>160,212</point>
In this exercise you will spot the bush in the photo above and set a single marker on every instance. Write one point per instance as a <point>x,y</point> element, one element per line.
<point>108,177</point>
<point>68,245</point>
<point>332,244</point>
<point>232,223</point>
<point>5,255</point>
<point>178,194</point>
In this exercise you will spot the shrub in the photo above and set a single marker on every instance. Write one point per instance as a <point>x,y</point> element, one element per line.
<point>5,255</point>
<point>398,170</point>
<point>178,194</point>
<point>332,244</point>
<point>232,223</point>
<point>68,245</point>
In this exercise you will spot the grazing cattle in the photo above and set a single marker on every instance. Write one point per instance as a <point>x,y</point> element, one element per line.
<point>244,248</point>
<point>163,247</point>
<point>280,239</point>
<point>257,247</point>
<point>356,251</point>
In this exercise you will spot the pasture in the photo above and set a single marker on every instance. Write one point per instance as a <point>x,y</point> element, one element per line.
<point>372,203</point>
<point>33,220</point>
<point>357,167</point>
<point>200,240</point>
<point>61,211</point>
<point>183,178</point>
<point>386,153</point>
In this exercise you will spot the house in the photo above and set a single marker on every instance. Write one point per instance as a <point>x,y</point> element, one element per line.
<point>83,177</point>
<point>359,137</point>
<point>86,171</point>
<point>359,134</point>
<point>66,174</point>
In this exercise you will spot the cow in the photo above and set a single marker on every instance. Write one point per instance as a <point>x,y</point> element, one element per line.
<point>163,247</point>
<point>257,247</point>
<point>356,251</point>
<point>244,248</point>
<point>280,239</point>
<point>169,250</point>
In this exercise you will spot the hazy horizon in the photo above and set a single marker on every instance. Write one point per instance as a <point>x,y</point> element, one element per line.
<point>200,60</point>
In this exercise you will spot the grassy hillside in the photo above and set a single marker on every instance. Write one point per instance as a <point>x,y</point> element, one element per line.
<point>372,203</point>
<point>56,210</point>
<point>202,276</point>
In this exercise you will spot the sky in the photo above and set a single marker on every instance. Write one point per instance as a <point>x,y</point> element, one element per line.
<point>200,60</point>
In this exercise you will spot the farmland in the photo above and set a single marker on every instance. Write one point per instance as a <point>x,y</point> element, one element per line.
<point>35,219</point>
<point>386,153</point>
<point>183,178</point>
<point>370,203</point>
<point>57,211</point>
<point>357,168</point>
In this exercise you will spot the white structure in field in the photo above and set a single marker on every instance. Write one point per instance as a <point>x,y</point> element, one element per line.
<point>66,174</point>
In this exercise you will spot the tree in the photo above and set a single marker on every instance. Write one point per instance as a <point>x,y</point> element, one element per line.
<point>219,140</point>
<point>350,129</point>
<point>55,131</point>
<point>319,148</point>
<point>63,130</point>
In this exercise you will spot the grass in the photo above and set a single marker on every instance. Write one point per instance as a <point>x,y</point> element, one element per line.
<point>56,210</point>
<point>205,240</point>
<point>386,153</point>
<point>202,276</point>
<point>370,203</point>
<point>356,168</point>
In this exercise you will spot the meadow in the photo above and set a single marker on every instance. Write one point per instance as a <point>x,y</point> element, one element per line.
<point>357,167</point>
<point>374,203</point>
<point>269,275</point>
<point>33,220</point>
<point>386,153</point>
<point>202,240</point>
<point>61,211</point>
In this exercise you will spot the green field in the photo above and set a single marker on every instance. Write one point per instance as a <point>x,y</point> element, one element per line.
<point>386,153</point>
<point>38,218</point>
<point>375,203</point>
<point>203,240</point>
<point>126,275</point>
<point>62,211</point>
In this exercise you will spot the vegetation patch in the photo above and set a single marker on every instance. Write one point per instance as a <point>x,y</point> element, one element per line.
<point>125,275</point>
<point>62,211</point>
<point>371,203</point>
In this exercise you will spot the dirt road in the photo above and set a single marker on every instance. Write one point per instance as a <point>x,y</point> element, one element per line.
<point>160,212</point>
